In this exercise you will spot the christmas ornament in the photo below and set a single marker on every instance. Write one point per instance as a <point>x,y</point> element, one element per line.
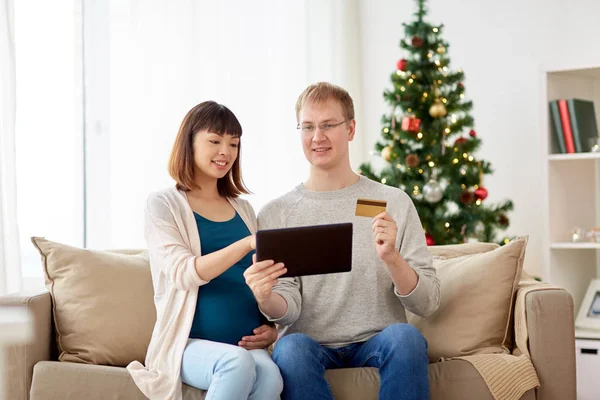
<point>479,229</point>
<point>437,109</point>
<point>467,197</point>
<point>417,42</point>
<point>460,85</point>
<point>481,193</point>
<point>398,113</point>
<point>473,133</point>
<point>411,160</point>
<point>401,65</point>
<point>441,49</point>
<point>460,141</point>
<point>386,153</point>
<point>429,240</point>
<point>432,191</point>
<point>411,124</point>
<point>503,220</point>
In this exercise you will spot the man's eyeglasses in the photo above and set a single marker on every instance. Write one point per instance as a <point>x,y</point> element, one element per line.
<point>309,128</point>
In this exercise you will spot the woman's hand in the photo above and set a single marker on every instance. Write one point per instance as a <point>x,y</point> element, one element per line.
<point>263,337</point>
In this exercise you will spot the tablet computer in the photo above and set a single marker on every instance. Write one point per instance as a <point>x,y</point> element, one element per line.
<point>308,250</point>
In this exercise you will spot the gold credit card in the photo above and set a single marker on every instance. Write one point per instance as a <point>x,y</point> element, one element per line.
<point>369,208</point>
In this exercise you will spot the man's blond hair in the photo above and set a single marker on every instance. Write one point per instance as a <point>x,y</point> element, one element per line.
<point>322,91</point>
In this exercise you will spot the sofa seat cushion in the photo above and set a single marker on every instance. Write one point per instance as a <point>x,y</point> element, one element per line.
<point>54,380</point>
<point>448,380</point>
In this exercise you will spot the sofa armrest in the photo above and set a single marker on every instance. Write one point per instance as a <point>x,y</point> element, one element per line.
<point>20,359</point>
<point>551,331</point>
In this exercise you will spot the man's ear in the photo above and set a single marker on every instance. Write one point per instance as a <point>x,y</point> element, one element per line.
<point>352,130</point>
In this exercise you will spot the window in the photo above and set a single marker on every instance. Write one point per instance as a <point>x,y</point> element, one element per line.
<point>48,128</point>
<point>102,87</point>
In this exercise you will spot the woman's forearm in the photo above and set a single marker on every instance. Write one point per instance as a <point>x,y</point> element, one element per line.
<point>214,264</point>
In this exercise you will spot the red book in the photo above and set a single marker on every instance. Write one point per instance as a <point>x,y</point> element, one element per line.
<point>566,124</point>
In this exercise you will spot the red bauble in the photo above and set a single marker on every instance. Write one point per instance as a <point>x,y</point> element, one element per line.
<point>467,197</point>
<point>417,42</point>
<point>460,85</point>
<point>401,65</point>
<point>429,240</point>
<point>473,133</point>
<point>481,193</point>
<point>460,141</point>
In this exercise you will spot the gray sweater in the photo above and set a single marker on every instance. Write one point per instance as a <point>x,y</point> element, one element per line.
<point>340,309</point>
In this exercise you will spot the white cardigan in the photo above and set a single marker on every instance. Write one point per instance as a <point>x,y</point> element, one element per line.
<point>173,245</point>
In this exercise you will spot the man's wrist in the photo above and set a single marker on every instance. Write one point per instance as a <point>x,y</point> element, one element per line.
<point>265,301</point>
<point>395,261</point>
<point>400,265</point>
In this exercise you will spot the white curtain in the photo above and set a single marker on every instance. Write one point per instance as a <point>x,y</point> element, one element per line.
<point>10,265</point>
<point>148,62</point>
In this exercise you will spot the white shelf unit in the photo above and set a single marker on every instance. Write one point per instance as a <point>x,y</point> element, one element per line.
<point>572,189</point>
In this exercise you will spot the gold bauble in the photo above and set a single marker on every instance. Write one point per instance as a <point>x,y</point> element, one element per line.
<point>386,153</point>
<point>437,109</point>
<point>441,50</point>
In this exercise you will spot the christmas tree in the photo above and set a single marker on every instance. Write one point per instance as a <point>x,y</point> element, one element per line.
<point>429,144</point>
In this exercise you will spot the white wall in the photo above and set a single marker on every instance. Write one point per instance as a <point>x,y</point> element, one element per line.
<point>149,62</point>
<point>503,47</point>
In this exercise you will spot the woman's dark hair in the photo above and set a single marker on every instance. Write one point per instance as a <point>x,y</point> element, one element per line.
<point>215,118</point>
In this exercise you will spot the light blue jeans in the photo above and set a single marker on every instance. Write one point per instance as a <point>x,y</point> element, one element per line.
<point>230,372</point>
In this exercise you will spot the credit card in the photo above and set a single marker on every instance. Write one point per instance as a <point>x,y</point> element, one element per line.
<point>369,208</point>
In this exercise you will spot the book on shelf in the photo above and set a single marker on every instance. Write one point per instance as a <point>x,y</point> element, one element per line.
<point>573,124</point>
<point>556,127</point>
<point>583,122</point>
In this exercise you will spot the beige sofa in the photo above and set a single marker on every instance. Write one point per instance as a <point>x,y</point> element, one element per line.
<point>35,373</point>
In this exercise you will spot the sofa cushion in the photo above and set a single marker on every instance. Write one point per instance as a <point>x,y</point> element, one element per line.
<point>463,249</point>
<point>54,380</point>
<point>477,292</point>
<point>450,380</point>
<point>102,302</point>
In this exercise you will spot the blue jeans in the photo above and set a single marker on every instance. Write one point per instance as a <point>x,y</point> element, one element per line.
<point>230,372</point>
<point>399,352</point>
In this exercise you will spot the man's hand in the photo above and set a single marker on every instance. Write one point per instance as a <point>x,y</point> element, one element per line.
<point>262,276</point>
<point>263,337</point>
<point>384,234</point>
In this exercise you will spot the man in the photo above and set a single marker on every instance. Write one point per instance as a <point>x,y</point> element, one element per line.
<point>354,319</point>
